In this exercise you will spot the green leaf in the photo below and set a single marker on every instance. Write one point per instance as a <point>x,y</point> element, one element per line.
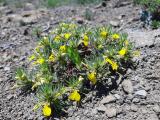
<point>74,55</point>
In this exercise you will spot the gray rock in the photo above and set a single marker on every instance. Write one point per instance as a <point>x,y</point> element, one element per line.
<point>120,16</point>
<point>126,107</point>
<point>101,108</point>
<point>108,99</point>
<point>156,108</point>
<point>147,88</point>
<point>80,20</point>
<point>141,93</point>
<point>94,111</point>
<point>130,97</point>
<point>142,38</point>
<point>152,117</point>
<point>115,23</point>
<point>1,66</point>
<point>134,108</point>
<point>117,96</point>
<point>135,100</point>
<point>127,86</point>
<point>119,110</point>
<point>6,68</point>
<point>111,112</point>
<point>29,6</point>
<point>9,97</point>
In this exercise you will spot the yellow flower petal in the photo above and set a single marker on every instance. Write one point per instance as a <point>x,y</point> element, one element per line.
<point>47,110</point>
<point>32,57</point>
<point>63,48</point>
<point>123,51</point>
<point>113,64</point>
<point>103,34</point>
<point>57,38</point>
<point>115,36</point>
<point>40,61</point>
<point>67,36</point>
<point>92,77</point>
<point>75,96</point>
<point>86,43</point>
<point>85,38</point>
<point>109,60</point>
<point>52,58</point>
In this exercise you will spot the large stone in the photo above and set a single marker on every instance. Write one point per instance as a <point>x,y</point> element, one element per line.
<point>141,93</point>
<point>156,108</point>
<point>101,108</point>
<point>115,23</point>
<point>127,86</point>
<point>111,112</point>
<point>143,38</point>
<point>117,96</point>
<point>29,6</point>
<point>135,100</point>
<point>134,108</point>
<point>6,68</point>
<point>9,97</point>
<point>108,99</point>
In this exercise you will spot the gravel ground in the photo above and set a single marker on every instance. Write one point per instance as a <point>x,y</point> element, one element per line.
<point>137,97</point>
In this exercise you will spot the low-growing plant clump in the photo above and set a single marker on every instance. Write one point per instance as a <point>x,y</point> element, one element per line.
<point>71,59</point>
<point>150,12</point>
<point>151,5</point>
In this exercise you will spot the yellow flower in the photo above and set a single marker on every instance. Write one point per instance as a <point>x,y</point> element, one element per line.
<point>47,110</point>
<point>115,36</point>
<point>63,48</point>
<point>32,57</point>
<point>67,36</point>
<point>92,77</point>
<point>75,96</point>
<point>85,38</point>
<point>103,34</point>
<point>123,51</point>
<point>52,58</point>
<point>86,43</point>
<point>112,63</point>
<point>57,38</point>
<point>109,60</point>
<point>114,66</point>
<point>40,61</point>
